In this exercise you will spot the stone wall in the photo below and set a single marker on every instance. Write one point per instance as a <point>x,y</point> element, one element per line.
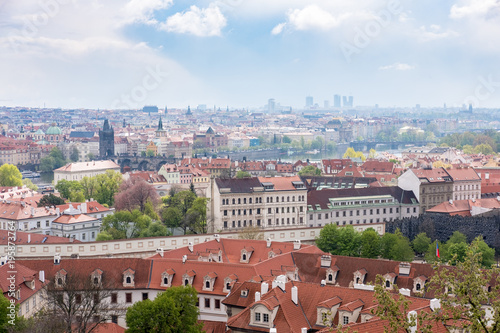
<point>441,227</point>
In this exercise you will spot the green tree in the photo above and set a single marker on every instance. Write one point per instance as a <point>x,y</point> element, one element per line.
<point>155,229</point>
<point>463,292</point>
<point>421,243</point>
<point>487,253</point>
<point>107,186</point>
<point>286,139</point>
<point>54,160</point>
<point>10,175</point>
<point>196,217</point>
<point>172,311</point>
<point>67,187</point>
<point>125,224</point>
<point>484,149</point>
<point>75,155</point>
<point>182,200</point>
<point>310,170</point>
<point>328,237</point>
<point>172,217</point>
<point>150,153</point>
<point>331,146</point>
<point>50,200</point>
<point>387,242</point>
<point>370,243</point>
<point>90,156</point>
<point>372,153</point>
<point>8,318</point>
<point>457,237</point>
<point>29,184</point>
<point>456,252</point>
<point>243,174</point>
<point>402,250</point>
<point>348,242</point>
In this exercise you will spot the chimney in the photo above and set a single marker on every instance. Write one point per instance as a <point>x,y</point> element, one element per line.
<point>273,330</point>
<point>3,260</point>
<point>32,211</point>
<point>84,208</point>
<point>58,212</point>
<point>303,330</point>
<point>296,244</point>
<point>326,260</point>
<point>412,317</point>
<point>268,242</point>
<point>217,238</point>
<point>71,239</point>
<point>184,258</point>
<point>295,295</point>
<point>57,259</point>
<point>257,296</point>
<point>435,304</point>
<point>323,283</point>
<point>29,238</point>
<point>41,276</point>
<point>264,288</point>
<point>160,251</point>
<point>190,247</point>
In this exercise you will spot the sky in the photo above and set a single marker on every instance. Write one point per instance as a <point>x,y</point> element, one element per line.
<point>125,54</point>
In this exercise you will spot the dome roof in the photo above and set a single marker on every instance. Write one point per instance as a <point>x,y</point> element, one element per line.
<point>53,130</point>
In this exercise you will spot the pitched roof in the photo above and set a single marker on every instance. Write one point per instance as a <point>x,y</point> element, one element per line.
<point>243,185</point>
<point>22,238</point>
<point>87,166</point>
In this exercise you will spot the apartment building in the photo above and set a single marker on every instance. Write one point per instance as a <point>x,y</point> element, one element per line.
<point>430,186</point>
<point>267,202</point>
<point>359,206</point>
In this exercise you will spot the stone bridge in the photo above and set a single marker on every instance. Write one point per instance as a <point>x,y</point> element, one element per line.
<point>367,145</point>
<point>143,163</point>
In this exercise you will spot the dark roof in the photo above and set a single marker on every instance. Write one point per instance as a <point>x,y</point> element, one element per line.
<point>321,197</point>
<point>313,182</point>
<point>244,185</point>
<point>76,134</point>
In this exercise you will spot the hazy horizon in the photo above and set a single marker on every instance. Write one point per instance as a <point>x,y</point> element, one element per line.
<point>127,54</point>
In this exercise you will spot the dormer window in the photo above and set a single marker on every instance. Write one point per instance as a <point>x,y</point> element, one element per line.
<point>60,278</point>
<point>419,283</point>
<point>96,277</point>
<point>228,282</point>
<point>209,281</point>
<point>128,278</point>
<point>390,280</point>
<point>188,278</point>
<point>246,253</point>
<point>359,276</point>
<point>166,277</point>
<point>331,275</point>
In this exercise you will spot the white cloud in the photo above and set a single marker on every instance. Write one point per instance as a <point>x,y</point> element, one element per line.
<point>434,32</point>
<point>471,8</point>
<point>397,66</point>
<point>278,29</point>
<point>143,10</point>
<point>311,17</point>
<point>196,21</point>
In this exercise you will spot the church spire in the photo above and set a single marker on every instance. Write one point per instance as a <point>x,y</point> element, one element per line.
<point>160,125</point>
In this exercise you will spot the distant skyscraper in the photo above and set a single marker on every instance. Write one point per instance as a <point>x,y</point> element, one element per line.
<point>347,101</point>
<point>309,101</point>
<point>336,101</point>
<point>271,105</point>
<point>327,104</point>
<point>188,113</point>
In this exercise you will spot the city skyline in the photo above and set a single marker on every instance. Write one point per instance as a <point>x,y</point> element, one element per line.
<point>114,54</point>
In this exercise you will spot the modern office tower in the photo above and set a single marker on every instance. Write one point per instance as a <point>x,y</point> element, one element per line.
<point>336,101</point>
<point>309,101</point>
<point>271,105</point>
<point>347,101</point>
<point>327,104</point>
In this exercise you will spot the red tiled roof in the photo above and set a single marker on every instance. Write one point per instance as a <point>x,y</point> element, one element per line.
<point>22,238</point>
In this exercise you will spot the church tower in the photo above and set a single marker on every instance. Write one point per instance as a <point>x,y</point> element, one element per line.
<point>160,132</point>
<point>106,141</point>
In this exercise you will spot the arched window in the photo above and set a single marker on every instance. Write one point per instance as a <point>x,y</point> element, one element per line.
<point>387,284</point>
<point>330,277</point>
<point>128,280</point>
<point>96,280</point>
<point>186,282</point>
<point>417,287</point>
<point>244,257</point>
<point>165,280</point>
<point>228,286</point>
<point>207,284</point>
<point>59,281</point>
<point>357,280</point>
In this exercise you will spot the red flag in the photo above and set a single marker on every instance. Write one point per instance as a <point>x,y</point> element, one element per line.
<point>437,250</point>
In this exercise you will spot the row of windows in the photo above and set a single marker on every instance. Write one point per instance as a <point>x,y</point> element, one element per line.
<point>239,201</point>
<point>362,202</point>
<point>358,212</point>
<point>265,317</point>
<point>466,187</point>
<point>239,224</point>
<point>240,211</point>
